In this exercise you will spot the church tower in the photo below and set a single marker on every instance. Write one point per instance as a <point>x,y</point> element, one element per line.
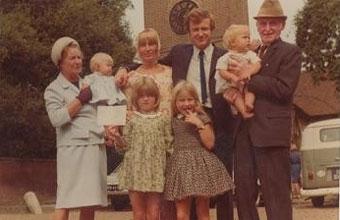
<point>166,16</point>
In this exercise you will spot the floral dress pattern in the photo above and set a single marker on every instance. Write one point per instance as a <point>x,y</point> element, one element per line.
<point>148,138</point>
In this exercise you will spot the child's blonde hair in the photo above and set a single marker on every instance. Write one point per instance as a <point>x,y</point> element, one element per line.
<point>231,33</point>
<point>100,58</point>
<point>148,35</point>
<point>145,86</point>
<point>188,87</point>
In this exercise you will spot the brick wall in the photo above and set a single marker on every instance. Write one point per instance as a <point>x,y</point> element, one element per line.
<point>226,12</point>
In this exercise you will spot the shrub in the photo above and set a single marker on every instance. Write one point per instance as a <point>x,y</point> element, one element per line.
<point>24,125</point>
<point>28,30</point>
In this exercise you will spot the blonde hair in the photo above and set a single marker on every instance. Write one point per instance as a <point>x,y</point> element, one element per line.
<point>188,87</point>
<point>144,86</point>
<point>150,36</point>
<point>100,58</point>
<point>231,33</point>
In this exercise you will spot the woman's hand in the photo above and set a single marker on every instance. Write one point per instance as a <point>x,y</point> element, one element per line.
<point>109,135</point>
<point>84,95</point>
<point>121,77</point>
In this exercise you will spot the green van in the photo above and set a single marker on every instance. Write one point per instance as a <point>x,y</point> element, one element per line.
<point>320,154</point>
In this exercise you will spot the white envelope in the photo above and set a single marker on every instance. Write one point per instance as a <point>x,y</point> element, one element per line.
<point>111,115</point>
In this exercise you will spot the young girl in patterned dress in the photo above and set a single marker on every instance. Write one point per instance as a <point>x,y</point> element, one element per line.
<point>148,137</point>
<point>193,171</point>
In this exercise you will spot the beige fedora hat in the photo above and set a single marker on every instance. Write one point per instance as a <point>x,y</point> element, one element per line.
<point>59,46</point>
<point>270,9</point>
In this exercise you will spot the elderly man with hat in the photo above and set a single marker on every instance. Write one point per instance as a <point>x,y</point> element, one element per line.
<point>81,153</point>
<point>262,142</point>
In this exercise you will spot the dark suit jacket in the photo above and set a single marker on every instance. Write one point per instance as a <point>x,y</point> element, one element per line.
<point>179,59</point>
<point>274,86</point>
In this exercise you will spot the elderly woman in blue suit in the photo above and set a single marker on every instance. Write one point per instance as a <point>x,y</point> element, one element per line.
<point>81,154</point>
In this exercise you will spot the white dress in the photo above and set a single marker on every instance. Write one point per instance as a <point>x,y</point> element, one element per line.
<point>222,64</point>
<point>104,89</point>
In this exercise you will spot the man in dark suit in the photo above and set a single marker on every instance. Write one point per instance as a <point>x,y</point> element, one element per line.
<point>187,61</point>
<point>262,142</point>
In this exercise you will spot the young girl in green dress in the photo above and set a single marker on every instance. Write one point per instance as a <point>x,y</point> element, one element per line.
<point>148,137</point>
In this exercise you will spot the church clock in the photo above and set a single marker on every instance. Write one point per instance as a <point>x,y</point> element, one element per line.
<point>177,15</point>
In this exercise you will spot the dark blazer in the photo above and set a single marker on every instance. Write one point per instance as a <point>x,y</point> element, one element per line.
<point>274,87</point>
<point>179,59</point>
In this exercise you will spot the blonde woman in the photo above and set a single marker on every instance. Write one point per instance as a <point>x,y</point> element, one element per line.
<point>148,51</point>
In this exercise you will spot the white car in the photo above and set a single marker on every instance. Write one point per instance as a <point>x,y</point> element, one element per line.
<point>119,198</point>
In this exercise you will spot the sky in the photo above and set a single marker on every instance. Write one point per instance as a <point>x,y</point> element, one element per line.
<point>290,7</point>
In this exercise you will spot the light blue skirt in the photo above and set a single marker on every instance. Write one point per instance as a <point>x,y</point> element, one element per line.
<point>81,176</point>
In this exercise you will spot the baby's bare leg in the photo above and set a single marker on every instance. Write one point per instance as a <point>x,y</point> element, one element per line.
<point>241,107</point>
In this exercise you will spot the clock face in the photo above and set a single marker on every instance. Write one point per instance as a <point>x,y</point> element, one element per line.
<point>177,15</point>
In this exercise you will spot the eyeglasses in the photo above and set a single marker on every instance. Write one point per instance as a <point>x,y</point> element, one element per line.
<point>269,23</point>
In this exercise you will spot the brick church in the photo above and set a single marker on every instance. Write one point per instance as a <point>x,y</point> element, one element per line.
<point>166,16</point>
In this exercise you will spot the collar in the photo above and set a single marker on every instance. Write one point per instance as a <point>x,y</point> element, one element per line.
<point>96,73</point>
<point>150,115</point>
<point>181,116</point>
<point>273,43</point>
<point>207,51</point>
<point>99,75</point>
<point>65,83</point>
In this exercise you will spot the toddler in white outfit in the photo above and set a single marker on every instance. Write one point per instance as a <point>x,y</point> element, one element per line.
<point>102,83</point>
<point>237,40</point>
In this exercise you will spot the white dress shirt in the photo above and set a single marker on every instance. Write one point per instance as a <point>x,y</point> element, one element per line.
<point>193,75</point>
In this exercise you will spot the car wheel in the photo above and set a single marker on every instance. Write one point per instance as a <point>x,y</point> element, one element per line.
<point>318,201</point>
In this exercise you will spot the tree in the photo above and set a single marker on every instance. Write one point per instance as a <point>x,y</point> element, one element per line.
<point>318,34</point>
<point>24,126</point>
<point>28,30</point>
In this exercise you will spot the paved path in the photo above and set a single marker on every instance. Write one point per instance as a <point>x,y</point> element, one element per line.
<point>302,210</point>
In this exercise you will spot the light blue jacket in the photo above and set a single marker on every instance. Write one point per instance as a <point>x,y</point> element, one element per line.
<point>79,130</point>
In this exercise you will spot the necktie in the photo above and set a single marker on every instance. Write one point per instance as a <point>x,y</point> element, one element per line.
<point>202,77</point>
<point>262,51</point>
